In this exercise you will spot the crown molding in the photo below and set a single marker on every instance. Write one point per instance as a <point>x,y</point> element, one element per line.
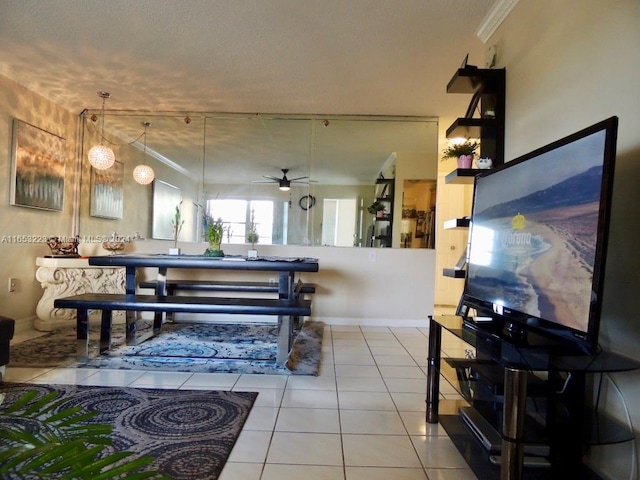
<point>494,18</point>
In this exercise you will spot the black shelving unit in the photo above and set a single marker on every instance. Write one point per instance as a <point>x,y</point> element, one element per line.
<point>383,225</point>
<point>487,88</point>
<point>552,406</point>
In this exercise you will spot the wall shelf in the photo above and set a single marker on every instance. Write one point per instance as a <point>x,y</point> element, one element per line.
<point>456,223</point>
<point>487,87</point>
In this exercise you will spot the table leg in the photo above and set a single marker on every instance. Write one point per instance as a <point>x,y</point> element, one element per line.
<point>161,290</point>
<point>285,334</point>
<point>130,316</point>
<point>433,370</point>
<point>82,335</point>
<point>285,324</point>
<point>105,330</point>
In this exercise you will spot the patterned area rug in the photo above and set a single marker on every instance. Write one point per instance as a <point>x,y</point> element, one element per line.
<point>189,433</point>
<point>183,347</point>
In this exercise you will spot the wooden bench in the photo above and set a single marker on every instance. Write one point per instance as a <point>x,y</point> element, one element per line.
<point>223,286</point>
<point>107,303</point>
<point>174,286</point>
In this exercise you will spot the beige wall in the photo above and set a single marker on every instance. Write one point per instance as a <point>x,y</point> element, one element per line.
<point>357,286</point>
<point>18,224</point>
<point>570,64</point>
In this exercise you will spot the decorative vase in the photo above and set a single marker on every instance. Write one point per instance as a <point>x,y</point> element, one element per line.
<point>253,253</point>
<point>214,250</point>
<point>174,251</point>
<point>464,161</point>
<point>484,163</point>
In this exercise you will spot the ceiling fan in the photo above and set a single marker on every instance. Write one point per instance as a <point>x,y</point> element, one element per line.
<point>284,183</point>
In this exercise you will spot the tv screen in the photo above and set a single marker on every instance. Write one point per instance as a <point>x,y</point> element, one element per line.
<point>538,237</point>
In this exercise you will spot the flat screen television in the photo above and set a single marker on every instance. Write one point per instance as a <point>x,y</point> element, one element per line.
<point>538,238</point>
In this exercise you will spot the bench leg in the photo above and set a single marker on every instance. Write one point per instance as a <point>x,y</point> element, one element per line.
<point>132,328</point>
<point>157,323</point>
<point>82,335</point>
<point>285,336</point>
<point>105,330</point>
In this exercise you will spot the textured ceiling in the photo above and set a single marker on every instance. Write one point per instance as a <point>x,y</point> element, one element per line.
<point>357,57</point>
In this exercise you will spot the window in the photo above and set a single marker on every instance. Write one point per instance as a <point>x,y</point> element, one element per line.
<point>236,214</point>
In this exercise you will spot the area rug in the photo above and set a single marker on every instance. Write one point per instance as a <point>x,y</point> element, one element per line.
<point>182,347</point>
<point>189,434</point>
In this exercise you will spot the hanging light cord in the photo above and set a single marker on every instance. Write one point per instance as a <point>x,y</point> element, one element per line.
<point>103,139</point>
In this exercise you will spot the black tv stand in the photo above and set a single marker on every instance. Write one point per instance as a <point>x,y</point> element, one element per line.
<point>527,395</point>
<point>515,332</point>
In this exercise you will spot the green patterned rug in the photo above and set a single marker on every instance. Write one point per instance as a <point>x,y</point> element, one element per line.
<point>189,434</point>
<point>182,347</point>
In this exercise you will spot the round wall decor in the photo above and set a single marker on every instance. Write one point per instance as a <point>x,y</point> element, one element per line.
<point>307,202</point>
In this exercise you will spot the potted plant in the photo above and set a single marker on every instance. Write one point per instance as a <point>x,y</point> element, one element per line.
<point>464,152</point>
<point>376,208</point>
<point>214,230</point>
<point>252,236</point>
<point>176,227</point>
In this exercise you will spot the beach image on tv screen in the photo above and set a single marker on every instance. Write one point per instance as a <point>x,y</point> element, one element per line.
<point>534,233</point>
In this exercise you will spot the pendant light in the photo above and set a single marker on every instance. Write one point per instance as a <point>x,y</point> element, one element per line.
<point>144,174</point>
<point>100,156</point>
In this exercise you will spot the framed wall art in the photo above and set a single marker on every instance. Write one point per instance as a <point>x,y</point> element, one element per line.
<point>38,168</point>
<point>165,199</point>
<point>107,195</point>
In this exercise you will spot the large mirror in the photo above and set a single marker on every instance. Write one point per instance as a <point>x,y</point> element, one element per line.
<point>238,166</point>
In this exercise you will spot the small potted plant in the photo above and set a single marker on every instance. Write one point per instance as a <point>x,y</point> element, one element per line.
<point>214,230</point>
<point>176,227</point>
<point>464,152</point>
<point>252,236</point>
<point>376,208</point>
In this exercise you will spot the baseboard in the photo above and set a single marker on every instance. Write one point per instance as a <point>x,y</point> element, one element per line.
<point>24,324</point>
<point>374,322</point>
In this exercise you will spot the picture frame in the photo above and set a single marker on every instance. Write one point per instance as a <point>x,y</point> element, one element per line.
<point>38,163</point>
<point>165,199</point>
<point>107,192</point>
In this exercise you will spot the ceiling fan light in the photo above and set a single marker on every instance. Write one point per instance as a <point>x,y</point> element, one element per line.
<point>143,174</point>
<point>285,188</point>
<point>101,157</point>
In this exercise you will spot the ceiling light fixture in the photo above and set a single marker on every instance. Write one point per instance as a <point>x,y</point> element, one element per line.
<point>144,174</point>
<point>285,185</point>
<point>100,156</point>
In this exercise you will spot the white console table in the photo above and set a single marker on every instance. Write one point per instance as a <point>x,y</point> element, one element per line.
<point>63,277</point>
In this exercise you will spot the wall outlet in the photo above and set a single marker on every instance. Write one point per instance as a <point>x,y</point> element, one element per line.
<point>13,284</point>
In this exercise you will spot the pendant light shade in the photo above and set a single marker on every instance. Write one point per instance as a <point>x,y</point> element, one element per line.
<point>100,156</point>
<point>144,174</point>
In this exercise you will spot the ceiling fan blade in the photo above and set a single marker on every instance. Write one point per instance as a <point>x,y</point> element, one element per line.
<point>299,178</point>
<point>271,177</point>
<point>264,181</point>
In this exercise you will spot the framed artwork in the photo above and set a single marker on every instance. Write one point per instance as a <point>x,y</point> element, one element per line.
<point>165,199</point>
<point>38,168</point>
<point>107,195</point>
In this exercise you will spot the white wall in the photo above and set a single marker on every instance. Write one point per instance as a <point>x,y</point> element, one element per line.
<point>570,64</point>
<point>356,286</point>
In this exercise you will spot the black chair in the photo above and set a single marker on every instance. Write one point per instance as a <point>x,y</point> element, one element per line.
<point>7,328</point>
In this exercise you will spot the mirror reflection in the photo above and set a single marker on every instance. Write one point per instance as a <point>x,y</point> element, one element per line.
<point>290,180</point>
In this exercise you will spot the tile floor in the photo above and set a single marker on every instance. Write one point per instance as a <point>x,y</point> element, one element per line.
<point>362,418</point>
